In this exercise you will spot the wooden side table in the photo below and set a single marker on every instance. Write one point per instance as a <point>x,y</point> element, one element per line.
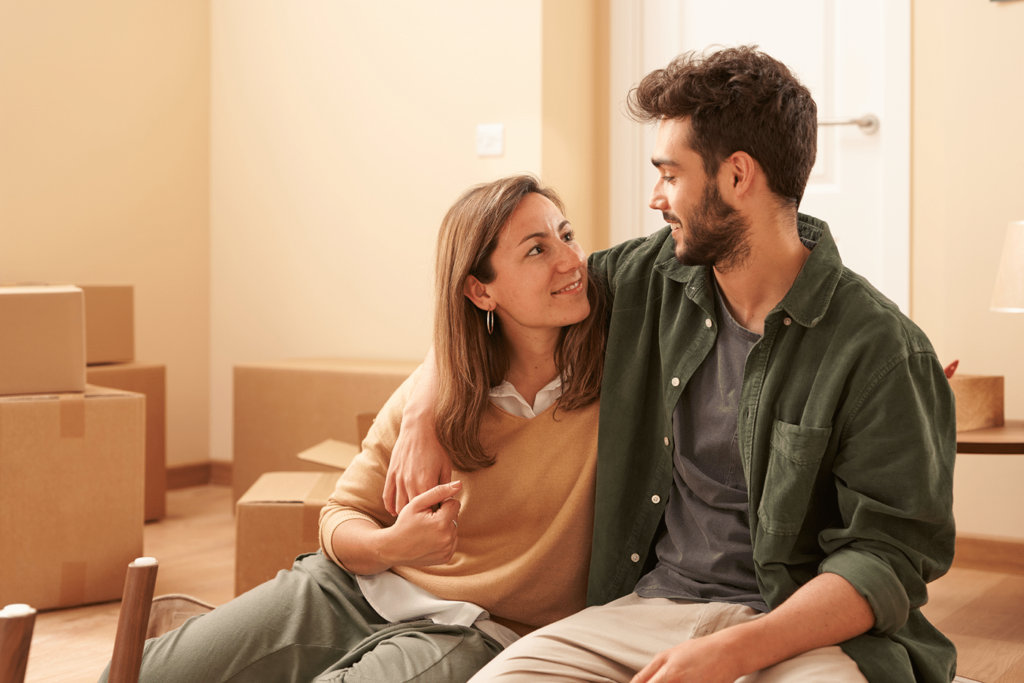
<point>1005,440</point>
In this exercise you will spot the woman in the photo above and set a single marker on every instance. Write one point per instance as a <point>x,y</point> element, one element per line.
<point>468,566</point>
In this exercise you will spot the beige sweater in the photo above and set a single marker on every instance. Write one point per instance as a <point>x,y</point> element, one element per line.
<point>525,524</point>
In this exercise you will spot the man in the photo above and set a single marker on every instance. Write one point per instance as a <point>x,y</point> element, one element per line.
<point>774,486</point>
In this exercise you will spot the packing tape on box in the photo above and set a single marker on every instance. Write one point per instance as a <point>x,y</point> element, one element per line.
<point>72,583</point>
<point>72,416</point>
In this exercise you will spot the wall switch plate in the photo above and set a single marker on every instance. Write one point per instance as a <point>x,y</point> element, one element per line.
<point>490,139</point>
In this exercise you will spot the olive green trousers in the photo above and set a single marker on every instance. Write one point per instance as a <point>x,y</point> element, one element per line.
<point>311,624</point>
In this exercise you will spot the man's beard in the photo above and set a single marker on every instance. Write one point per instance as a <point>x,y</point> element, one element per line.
<point>714,233</point>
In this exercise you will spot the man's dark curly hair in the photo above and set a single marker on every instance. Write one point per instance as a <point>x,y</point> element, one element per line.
<point>738,99</point>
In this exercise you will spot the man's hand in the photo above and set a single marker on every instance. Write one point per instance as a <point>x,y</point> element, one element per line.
<point>418,462</point>
<point>824,611</point>
<point>423,536</point>
<point>702,659</point>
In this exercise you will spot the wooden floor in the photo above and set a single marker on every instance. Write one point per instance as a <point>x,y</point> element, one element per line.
<point>195,545</point>
<point>982,612</point>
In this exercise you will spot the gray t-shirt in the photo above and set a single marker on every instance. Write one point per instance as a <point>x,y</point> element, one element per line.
<point>704,552</point>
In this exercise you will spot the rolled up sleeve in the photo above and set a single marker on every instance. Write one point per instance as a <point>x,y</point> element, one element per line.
<point>894,479</point>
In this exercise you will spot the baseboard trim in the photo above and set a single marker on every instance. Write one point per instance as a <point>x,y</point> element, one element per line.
<point>220,473</point>
<point>184,476</point>
<point>216,472</point>
<point>989,554</point>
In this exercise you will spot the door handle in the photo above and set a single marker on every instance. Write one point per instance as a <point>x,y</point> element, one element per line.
<point>868,123</point>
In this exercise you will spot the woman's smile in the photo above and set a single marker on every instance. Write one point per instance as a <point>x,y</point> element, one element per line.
<point>571,289</point>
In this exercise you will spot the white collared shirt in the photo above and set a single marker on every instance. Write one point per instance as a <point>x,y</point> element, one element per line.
<point>506,397</point>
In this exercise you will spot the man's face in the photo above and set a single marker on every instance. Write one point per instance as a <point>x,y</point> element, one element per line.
<point>707,231</point>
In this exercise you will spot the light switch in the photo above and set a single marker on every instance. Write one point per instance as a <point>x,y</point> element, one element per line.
<point>490,139</point>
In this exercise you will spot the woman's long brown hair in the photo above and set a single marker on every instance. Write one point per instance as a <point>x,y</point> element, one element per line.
<point>469,360</point>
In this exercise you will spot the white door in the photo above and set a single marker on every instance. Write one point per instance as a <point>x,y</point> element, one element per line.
<point>853,55</point>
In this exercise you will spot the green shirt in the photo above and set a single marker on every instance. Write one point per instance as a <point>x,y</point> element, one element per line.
<point>846,429</point>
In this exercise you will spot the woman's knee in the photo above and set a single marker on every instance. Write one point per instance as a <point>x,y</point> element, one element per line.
<point>440,655</point>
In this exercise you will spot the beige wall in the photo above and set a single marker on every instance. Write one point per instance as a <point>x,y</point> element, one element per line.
<point>103,173</point>
<point>575,134</point>
<point>341,133</point>
<point>968,142</point>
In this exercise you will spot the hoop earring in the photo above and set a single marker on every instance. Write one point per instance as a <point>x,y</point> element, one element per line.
<point>490,321</point>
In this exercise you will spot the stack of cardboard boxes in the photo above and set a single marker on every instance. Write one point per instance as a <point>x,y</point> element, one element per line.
<point>71,458</point>
<point>110,356</point>
<point>306,415</point>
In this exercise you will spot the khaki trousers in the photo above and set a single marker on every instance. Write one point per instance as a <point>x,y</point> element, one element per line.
<point>613,642</point>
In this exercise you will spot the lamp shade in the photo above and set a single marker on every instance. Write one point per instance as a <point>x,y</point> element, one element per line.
<point>1008,294</point>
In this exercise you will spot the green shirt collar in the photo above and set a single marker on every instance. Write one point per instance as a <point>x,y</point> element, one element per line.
<point>807,300</point>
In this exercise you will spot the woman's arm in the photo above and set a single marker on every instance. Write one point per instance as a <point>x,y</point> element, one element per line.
<point>418,461</point>
<point>421,536</point>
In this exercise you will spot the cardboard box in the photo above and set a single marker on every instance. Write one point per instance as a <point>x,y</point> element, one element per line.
<point>979,401</point>
<point>277,520</point>
<point>285,407</point>
<point>71,473</point>
<point>149,379</point>
<point>336,455</point>
<point>42,339</point>
<point>109,323</point>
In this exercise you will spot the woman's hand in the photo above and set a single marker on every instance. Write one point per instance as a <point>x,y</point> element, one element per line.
<point>418,462</point>
<point>423,536</point>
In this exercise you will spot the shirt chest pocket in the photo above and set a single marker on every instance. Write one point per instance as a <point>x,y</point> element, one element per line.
<point>793,465</point>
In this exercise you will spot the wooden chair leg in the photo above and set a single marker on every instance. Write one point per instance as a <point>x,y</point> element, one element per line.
<point>133,621</point>
<point>16,624</point>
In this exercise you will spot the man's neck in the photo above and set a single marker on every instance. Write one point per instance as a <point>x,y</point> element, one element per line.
<point>752,289</point>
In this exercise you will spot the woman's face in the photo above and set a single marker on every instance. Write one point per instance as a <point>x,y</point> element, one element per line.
<point>540,271</point>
